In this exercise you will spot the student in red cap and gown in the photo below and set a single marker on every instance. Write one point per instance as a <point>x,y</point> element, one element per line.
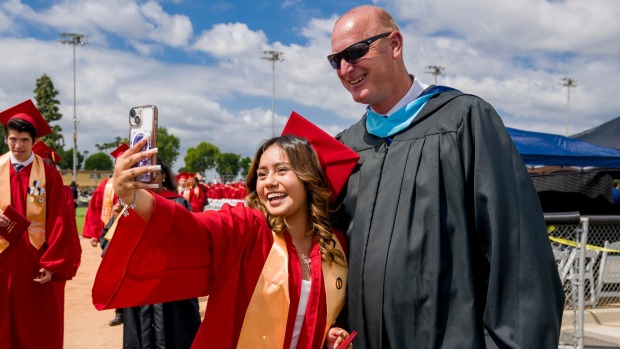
<point>98,214</point>
<point>274,270</point>
<point>33,270</point>
<point>195,194</point>
<point>99,208</point>
<point>182,182</point>
<point>163,325</point>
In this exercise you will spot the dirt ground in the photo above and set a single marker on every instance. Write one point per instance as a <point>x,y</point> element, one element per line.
<point>85,327</point>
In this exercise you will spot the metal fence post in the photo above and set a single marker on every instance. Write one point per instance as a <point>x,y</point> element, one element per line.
<point>581,280</point>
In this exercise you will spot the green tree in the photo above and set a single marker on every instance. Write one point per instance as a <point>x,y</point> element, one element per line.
<point>228,165</point>
<point>167,146</point>
<point>98,161</point>
<point>67,160</point>
<point>109,147</point>
<point>245,163</point>
<point>3,146</point>
<point>201,158</point>
<point>45,96</point>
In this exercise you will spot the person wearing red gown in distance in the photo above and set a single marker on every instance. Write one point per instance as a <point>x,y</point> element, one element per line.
<point>195,193</point>
<point>33,270</point>
<point>100,206</point>
<point>275,270</point>
<point>98,214</point>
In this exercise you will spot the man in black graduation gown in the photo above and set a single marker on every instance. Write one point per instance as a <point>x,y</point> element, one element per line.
<point>447,241</point>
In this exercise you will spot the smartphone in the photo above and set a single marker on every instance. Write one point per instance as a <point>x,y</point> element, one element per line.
<point>143,124</point>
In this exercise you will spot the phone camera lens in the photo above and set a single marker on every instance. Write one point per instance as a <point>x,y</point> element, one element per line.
<point>134,116</point>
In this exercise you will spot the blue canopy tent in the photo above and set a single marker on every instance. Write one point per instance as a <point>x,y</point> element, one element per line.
<point>587,191</point>
<point>554,150</point>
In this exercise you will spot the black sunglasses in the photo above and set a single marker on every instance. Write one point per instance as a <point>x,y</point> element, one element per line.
<point>354,52</point>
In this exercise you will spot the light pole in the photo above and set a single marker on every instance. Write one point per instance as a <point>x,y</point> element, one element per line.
<point>568,83</point>
<point>435,70</point>
<point>74,40</point>
<point>273,56</point>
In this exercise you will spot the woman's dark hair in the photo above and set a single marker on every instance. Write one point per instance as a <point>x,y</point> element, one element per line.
<point>168,182</point>
<point>306,165</point>
<point>20,125</point>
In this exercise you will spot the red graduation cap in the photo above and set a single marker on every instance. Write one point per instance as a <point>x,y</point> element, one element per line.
<point>28,112</point>
<point>44,151</point>
<point>181,175</point>
<point>119,150</point>
<point>336,158</point>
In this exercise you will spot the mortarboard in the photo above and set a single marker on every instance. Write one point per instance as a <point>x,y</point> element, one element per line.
<point>181,175</point>
<point>28,112</point>
<point>44,151</point>
<point>119,150</point>
<point>336,158</point>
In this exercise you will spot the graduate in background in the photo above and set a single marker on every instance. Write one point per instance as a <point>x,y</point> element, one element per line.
<point>99,208</point>
<point>195,193</point>
<point>274,270</point>
<point>98,214</point>
<point>171,325</point>
<point>34,270</point>
<point>182,182</point>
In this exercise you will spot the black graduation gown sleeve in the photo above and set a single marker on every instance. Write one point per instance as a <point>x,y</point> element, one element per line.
<point>448,245</point>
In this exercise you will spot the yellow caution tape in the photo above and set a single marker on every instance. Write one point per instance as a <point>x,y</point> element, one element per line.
<point>574,244</point>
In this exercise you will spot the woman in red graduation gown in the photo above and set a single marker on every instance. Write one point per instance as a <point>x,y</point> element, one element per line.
<point>274,270</point>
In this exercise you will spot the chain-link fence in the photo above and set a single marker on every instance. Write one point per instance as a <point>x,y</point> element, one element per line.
<point>591,276</point>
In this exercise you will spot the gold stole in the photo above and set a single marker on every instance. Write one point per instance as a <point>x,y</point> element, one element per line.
<point>108,236</point>
<point>108,201</point>
<point>265,320</point>
<point>36,199</point>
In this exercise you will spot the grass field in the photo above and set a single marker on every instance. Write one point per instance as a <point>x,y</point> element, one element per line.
<point>79,218</point>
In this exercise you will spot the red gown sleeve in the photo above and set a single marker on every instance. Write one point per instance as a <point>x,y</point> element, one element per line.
<point>57,255</point>
<point>175,255</point>
<point>92,220</point>
<point>71,226</point>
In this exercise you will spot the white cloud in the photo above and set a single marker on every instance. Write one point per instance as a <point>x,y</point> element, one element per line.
<point>173,30</point>
<point>511,54</point>
<point>229,40</point>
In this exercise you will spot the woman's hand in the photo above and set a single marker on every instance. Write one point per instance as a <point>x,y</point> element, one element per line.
<point>124,183</point>
<point>335,337</point>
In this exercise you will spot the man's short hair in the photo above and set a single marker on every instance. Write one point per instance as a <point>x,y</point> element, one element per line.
<point>20,125</point>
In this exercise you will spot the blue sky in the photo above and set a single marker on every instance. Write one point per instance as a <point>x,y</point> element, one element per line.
<point>200,62</point>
